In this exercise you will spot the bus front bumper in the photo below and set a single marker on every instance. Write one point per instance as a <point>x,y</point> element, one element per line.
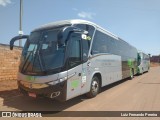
<point>57,91</point>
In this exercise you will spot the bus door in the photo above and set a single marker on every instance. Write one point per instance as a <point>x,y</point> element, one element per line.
<point>74,66</point>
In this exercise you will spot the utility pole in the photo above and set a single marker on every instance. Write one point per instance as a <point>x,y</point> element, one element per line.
<point>20,21</point>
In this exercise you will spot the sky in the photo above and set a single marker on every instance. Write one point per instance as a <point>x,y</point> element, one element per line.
<point>135,21</point>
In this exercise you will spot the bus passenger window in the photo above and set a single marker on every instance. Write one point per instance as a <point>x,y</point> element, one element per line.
<point>99,43</point>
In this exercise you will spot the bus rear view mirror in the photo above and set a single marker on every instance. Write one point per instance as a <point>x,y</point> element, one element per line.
<point>17,38</point>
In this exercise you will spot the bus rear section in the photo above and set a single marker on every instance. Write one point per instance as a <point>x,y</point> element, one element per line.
<point>143,62</point>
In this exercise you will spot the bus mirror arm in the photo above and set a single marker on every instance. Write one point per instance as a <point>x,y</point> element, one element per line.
<point>17,38</point>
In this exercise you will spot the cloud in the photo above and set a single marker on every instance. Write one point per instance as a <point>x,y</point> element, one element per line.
<point>75,9</point>
<point>4,2</point>
<point>88,15</point>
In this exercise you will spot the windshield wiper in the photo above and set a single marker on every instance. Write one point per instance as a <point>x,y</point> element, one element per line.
<point>26,62</point>
<point>31,52</point>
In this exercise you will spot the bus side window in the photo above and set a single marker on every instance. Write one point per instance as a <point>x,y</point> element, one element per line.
<point>100,44</point>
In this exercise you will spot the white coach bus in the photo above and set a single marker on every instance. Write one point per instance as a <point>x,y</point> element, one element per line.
<point>143,62</point>
<point>65,59</point>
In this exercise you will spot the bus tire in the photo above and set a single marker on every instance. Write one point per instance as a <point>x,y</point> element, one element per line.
<point>132,74</point>
<point>94,88</point>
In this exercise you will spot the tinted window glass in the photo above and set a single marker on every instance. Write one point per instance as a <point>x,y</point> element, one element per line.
<point>88,28</point>
<point>75,50</point>
<point>99,43</point>
<point>81,26</point>
<point>112,48</point>
<point>124,48</point>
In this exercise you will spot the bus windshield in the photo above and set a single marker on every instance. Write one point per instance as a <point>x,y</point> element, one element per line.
<point>43,53</point>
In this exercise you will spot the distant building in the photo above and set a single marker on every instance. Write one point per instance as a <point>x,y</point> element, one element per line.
<point>155,59</point>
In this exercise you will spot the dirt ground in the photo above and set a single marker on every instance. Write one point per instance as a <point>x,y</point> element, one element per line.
<point>154,64</point>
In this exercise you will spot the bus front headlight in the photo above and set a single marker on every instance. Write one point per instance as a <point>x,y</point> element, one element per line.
<point>57,81</point>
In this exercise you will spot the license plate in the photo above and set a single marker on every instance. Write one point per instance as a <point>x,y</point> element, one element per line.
<point>32,95</point>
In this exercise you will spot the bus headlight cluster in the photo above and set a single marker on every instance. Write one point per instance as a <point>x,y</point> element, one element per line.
<point>57,81</point>
<point>53,82</point>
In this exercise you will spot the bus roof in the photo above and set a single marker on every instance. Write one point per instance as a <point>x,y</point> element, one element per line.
<point>78,21</point>
<point>71,22</point>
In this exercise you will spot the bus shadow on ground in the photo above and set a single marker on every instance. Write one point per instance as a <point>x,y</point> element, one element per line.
<point>103,89</point>
<point>13,99</point>
<point>8,94</point>
<point>25,103</point>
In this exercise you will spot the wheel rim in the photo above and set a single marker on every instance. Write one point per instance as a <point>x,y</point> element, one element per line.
<point>95,86</point>
<point>132,74</point>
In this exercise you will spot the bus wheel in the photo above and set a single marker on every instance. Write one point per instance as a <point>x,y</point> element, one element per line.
<point>132,74</point>
<point>94,88</point>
